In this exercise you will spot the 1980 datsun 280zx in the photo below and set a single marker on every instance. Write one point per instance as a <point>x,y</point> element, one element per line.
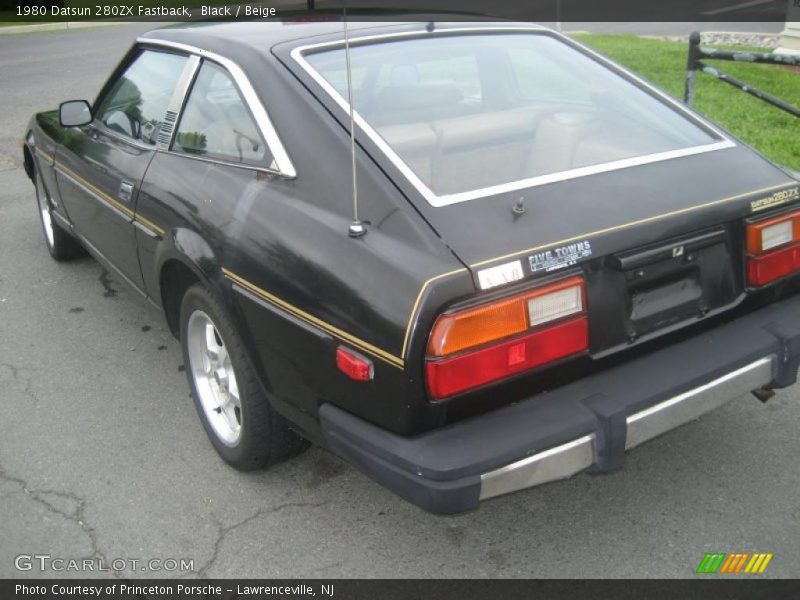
<point>551,261</point>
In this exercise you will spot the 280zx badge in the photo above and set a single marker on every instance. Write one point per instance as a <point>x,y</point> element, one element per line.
<point>561,257</point>
<point>775,199</point>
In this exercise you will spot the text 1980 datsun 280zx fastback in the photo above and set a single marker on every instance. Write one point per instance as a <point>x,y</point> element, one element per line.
<point>552,261</point>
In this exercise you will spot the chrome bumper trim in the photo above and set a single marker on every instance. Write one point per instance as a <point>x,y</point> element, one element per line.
<point>573,457</point>
<point>551,465</point>
<point>660,418</point>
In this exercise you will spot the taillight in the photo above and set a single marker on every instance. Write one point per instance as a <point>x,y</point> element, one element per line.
<point>773,248</point>
<point>476,346</point>
<point>763,236</point>
<point>763,269</point>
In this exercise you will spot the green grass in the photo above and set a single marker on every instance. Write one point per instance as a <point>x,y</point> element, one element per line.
<point>770,130</point>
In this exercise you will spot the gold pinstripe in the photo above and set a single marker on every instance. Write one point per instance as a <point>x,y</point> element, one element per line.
<point>103,196</point>
<point>43,154</point>
<point>393,360</point>
<point>644,221</point>
<point>416,305</point>
<point>109,200</point>
<point>150,224</point>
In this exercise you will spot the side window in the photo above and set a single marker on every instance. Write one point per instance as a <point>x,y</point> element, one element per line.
<point>136,103</point>
<point>216,122</point>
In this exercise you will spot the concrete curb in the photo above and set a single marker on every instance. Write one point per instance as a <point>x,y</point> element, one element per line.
<point>59,26</point>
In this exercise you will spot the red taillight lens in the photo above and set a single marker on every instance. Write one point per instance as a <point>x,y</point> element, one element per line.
<point>477,346</point>
<point>773,249</point>
<point>455,375</point>
<point>766,268</point>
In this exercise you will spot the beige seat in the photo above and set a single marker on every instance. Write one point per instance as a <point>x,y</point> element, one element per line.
<point>479,150</point>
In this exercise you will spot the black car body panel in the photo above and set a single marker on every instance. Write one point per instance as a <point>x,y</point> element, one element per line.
<point>274,246</point>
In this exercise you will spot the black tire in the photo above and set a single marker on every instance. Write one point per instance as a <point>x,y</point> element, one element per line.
<point>60,244</point>
<point>265,437</point>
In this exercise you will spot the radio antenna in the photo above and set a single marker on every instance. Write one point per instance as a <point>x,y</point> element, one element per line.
<point>357,228</point>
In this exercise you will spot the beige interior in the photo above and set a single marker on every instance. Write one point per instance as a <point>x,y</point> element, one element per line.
<point>453,144</point>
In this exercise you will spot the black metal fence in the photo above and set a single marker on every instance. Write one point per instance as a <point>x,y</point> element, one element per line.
<point>695,64</point>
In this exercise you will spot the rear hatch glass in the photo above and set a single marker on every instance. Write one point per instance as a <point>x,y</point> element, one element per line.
<point>468,114</point>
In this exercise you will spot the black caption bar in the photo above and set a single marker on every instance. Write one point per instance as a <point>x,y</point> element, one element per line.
<point>32,11</point>
<point>229,589</point>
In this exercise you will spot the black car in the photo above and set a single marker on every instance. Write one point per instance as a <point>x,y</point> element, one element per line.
<point>527,260</point>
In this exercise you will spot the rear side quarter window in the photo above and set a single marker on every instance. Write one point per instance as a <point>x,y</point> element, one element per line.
<point>216,123</point>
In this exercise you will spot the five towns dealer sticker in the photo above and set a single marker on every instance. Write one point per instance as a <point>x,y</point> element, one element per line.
<point>561,257</point>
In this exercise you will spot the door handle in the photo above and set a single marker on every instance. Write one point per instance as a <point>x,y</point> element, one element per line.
<point>125,191</point>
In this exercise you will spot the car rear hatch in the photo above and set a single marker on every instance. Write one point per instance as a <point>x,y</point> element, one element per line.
<point>660,245</point>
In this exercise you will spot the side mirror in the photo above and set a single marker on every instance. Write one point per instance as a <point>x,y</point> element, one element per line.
<point>74,113</point>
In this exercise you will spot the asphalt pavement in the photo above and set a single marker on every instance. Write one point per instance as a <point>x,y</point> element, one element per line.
<point>102,454</point>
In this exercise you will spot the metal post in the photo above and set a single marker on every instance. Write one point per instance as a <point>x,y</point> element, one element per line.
<point>695,64</point>
<point>691,68</point>
<point>751,57</point>
<point>768,98</point>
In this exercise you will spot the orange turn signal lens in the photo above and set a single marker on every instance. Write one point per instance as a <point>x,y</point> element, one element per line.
<point>455,332</point>
<point>504,318</point>
<point>773,233</point>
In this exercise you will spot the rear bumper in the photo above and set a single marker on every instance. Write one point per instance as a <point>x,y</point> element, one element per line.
<point>588,424</point>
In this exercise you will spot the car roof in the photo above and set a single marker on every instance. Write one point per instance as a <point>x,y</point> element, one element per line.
<point>221,37</point>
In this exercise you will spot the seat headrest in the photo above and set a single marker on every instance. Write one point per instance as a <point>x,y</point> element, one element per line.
<point>405,75</point>
<point>419,96</point>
